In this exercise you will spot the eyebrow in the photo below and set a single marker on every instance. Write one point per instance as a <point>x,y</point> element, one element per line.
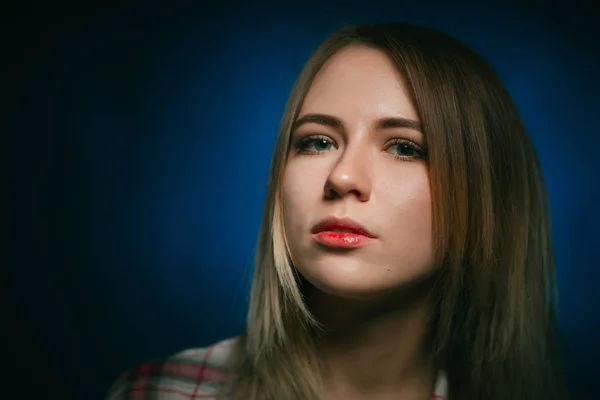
<point>383,123</point>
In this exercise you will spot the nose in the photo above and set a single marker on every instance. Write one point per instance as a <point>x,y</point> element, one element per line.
<point>349,176</point>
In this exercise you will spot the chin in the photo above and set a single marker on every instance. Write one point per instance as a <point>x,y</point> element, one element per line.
<point>362,283</point>
<point>348,285</point>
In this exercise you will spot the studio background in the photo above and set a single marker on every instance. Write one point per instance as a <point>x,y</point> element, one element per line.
<point>138,151</point>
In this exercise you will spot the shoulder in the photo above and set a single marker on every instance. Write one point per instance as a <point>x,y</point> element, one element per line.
<point>193,373</point>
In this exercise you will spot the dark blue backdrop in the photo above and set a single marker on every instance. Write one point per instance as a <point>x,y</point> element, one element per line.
<point>138,169</point>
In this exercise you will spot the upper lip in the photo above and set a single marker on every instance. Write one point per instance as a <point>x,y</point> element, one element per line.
<point>331,223</point>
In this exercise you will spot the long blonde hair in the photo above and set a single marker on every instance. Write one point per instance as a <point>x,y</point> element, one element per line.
<point>494,322</point>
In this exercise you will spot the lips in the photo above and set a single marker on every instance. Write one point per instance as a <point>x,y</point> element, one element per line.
<point>341,226</point>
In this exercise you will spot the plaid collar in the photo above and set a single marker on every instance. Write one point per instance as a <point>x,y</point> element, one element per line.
<point>193,375</point>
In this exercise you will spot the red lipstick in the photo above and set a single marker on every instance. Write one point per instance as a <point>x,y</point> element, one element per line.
<point>341,233</point>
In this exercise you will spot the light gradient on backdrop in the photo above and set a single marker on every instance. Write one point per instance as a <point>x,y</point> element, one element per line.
<point>174,143</point>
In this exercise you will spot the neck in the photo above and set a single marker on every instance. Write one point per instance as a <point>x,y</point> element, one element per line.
<point>376,349</point>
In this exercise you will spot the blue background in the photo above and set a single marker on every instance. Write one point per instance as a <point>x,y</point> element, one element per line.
<point>137,171</point>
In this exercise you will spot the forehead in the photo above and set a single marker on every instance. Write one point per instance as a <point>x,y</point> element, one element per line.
<point>362,82</point>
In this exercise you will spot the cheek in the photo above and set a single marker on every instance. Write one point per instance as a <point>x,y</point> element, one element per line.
<point>408,209</point>
<point>413,227</point>
<point>299,196</point>
<point>417,199</point>
<point>410,194</point>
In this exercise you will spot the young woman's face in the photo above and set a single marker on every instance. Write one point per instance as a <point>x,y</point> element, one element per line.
<point>357,153</point>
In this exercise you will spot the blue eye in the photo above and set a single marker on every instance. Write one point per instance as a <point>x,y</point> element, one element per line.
<point>406,150</point>
<point>314,144</point>
<point>399,148</point>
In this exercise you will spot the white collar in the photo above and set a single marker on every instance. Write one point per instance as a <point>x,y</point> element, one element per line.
<point>440,391</point>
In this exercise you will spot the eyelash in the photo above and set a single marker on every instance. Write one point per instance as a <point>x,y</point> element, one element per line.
<point>303,144</point>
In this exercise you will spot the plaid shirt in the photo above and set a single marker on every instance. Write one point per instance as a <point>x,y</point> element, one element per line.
<point>192,375</point>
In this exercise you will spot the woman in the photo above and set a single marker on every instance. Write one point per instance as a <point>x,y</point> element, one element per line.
<point>405,247</point>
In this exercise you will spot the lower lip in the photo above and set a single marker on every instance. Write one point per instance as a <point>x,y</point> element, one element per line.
<point>341,240</point>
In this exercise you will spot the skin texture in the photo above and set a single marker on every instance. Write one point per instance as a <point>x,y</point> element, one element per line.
<point>357,176</point>
<point>367,297</point>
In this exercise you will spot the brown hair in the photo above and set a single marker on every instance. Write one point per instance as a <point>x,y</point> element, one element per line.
<point>494,323</point>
